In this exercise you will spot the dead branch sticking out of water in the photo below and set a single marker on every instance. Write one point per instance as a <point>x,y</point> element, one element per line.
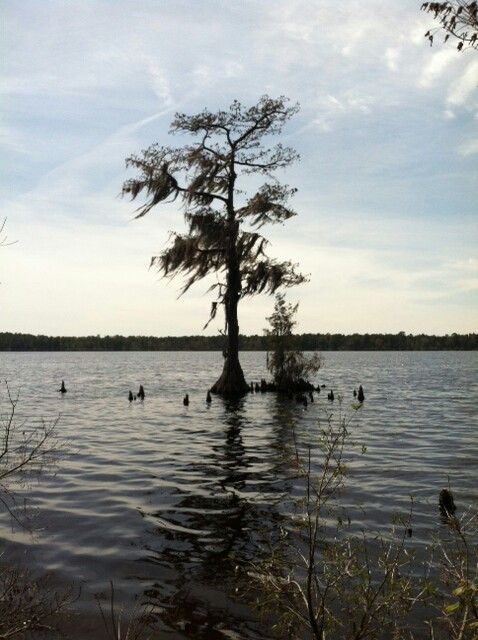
<point>26,450</point>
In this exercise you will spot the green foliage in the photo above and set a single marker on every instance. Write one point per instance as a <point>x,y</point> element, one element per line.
<point>288,365</point>
<point>324,579</point>
<point>457,599</point>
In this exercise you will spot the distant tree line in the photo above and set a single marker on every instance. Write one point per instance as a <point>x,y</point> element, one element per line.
<point>305,342</point>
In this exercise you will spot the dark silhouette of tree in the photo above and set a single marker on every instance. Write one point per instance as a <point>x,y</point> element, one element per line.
<point>203,175</point>
<point>458,18</point>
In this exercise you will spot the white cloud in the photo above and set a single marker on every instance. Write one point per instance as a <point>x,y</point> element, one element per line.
<point>437,65</point>
<point>331,109</point>
<point>468,148</point>
<point>465,87</point>
<point>160,82</point>
<point>214,73</point>
<point>12,139</point>
<point>392,56</point>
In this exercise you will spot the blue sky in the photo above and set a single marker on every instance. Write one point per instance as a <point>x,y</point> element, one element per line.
<point>387,134</point>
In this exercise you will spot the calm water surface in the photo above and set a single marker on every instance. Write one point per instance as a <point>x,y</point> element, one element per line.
<point>167,500</point>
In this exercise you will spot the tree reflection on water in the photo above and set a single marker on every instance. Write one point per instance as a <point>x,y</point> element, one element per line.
<point>219,526</point>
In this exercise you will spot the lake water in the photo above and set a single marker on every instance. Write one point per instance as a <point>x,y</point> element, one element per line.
<point>166,501</point>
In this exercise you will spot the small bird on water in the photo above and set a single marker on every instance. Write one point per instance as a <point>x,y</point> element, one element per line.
<point>360,395</point>
<point>186,400</point>
<point>141,393</point>
<point>62,389</point>
<point>130,396</point>
<point>331,396</point>
<point>208,397</point>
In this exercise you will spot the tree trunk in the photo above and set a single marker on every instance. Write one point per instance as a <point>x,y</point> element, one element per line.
<point>232,381</point>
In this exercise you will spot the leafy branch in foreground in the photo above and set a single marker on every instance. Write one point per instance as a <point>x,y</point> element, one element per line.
<point>327,582</point>
<point>457,599</point>
<point>323,579</point>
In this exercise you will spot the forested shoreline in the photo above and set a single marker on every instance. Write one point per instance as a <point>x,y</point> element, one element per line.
<point>305,342</point>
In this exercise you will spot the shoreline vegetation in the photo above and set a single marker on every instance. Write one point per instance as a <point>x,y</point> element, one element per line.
<point>304,342</point>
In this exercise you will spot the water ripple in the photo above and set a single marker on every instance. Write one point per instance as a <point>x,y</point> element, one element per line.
<point>156,495</point>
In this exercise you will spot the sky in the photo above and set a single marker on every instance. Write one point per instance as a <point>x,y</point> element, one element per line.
<point>387,134</point>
